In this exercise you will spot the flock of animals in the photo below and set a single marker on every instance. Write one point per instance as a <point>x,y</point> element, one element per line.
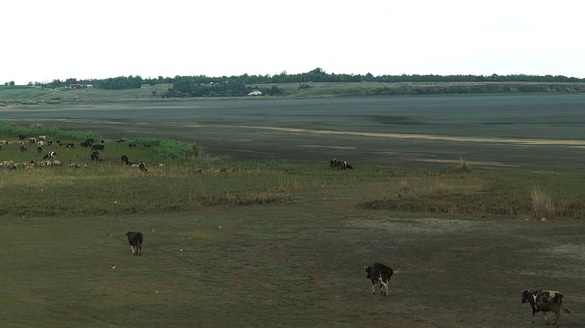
<point>50,158</point>
<point>378,273</point>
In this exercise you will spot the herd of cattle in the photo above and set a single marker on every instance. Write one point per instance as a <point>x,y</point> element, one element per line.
<point>378,273</point>
<point>539,300</point>
<point>50,158</point>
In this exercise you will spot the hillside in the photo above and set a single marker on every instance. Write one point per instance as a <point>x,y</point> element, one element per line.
<point>23,95</point>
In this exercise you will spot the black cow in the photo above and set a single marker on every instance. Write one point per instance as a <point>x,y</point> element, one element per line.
<point>97,147</point>
<point>22,149</point>
<point>95,155</point>
<point>39,149</point>
<point>381,273</point>
<point>124,159</point>
<point>87,143</point>
<point>544,301</point>
<point>21,136</point>
<point>135,239</point>
<point>69,145</point>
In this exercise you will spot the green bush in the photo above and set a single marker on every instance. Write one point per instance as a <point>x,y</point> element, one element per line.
<point>171,149</point>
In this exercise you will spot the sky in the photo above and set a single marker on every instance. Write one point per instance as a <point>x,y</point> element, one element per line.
<point>45,40</point>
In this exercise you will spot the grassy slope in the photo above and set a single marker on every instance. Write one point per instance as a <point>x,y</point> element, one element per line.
<point>33,95</point>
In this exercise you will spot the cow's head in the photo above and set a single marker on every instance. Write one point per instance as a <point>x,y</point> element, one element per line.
<point>558,298</point>
<point>526,295</point>
<point>368,270</point>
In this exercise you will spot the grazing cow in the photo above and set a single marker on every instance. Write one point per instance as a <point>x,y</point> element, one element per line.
<point>142,167</point>
<point>85,144</point>
<point>50,155</point>
<point>381,273</point>
<point>69,145</point>
<point>97,147</point>
<point>124,159</point>
<point>95,155</point>
<point>22,149</point>
<point>346,165</point>
<point>339,165</point>
<point>21,137</point>
<point>544,301</point>
<point>39,149</point>
<point>135,240</point>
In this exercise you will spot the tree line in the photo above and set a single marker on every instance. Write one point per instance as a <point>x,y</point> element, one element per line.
<point>115,83</point>
<point>205,86</point>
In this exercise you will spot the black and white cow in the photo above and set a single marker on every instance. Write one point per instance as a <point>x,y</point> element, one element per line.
<point>50,155</point>
<point>544,301</point>
<point>135,240</point>
<point>381,273</point>
<point>142,167</point>
<point>339,165</point>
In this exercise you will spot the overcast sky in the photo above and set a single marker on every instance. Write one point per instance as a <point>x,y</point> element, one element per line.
<point>58,39</point>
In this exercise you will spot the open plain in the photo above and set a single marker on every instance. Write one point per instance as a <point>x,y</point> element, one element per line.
<point>301,263</point>
<point>543,132</point>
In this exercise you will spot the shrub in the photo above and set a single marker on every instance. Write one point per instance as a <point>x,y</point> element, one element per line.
<point>170,149</point>
<point>542,205</point>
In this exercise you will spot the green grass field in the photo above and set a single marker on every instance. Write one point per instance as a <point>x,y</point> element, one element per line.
<point>240,244</point>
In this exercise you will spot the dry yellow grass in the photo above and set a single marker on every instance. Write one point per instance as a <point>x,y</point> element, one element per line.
<point>542,204</point>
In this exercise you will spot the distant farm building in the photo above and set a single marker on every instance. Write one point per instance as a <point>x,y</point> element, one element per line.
<point>76,86</point>
<point>255,93</point>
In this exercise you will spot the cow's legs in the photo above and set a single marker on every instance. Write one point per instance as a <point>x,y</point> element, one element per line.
<point>384,288</point>
<point>373,288</point>
<point>132,249</point>
<point>545,318</point>
<point>533,314</point>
